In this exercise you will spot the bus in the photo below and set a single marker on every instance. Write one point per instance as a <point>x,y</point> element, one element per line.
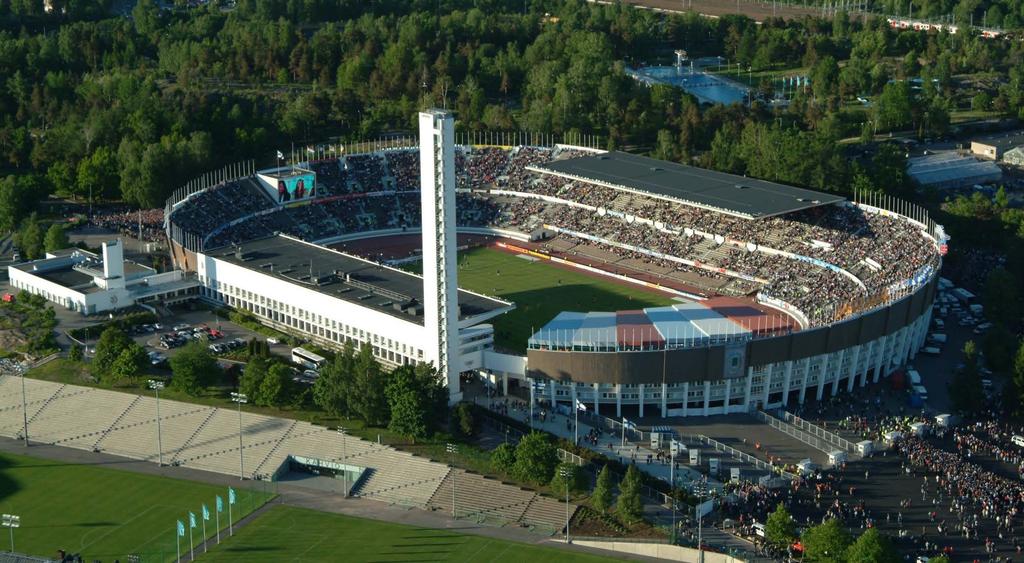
<point>307,359</point>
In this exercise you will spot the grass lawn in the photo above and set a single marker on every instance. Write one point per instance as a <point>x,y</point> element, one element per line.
<point>104,513</point>
<point>541,290</point>
<point>293,534</point>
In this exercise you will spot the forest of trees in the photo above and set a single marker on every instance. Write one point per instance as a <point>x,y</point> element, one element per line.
<point>130,108</point>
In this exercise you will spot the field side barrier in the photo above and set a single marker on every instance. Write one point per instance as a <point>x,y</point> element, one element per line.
<point>741,456</point>
<point>836,440</point>
<point>815,442</point>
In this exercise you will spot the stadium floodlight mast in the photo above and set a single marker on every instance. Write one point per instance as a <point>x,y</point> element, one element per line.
<point>344,459</point>
<point>11,521</point>
<point>565,472</point>
<point>240,399</point>
<point>701,490</point>
<point>452,449</point>
<point>20,371</point>
<point>156,386</point>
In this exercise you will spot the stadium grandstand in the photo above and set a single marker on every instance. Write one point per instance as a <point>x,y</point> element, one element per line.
<point>781,290</point>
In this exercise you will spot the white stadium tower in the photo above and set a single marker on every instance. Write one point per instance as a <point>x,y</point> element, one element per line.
<point>437,212</point>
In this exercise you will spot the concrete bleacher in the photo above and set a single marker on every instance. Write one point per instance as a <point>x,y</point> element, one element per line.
<point>206,438</point>
<point>402,478</point>
<point>476,497</point>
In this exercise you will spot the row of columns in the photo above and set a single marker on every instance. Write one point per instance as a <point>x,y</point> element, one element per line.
<point>880,355</point>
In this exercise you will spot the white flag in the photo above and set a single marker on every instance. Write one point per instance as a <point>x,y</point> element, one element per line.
<point>280,155</point>
<point>580,406</point>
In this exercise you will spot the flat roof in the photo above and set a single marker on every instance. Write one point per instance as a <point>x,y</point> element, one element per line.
<point>69,278</point>
<point>285,173</point>
<point>1003,141</point>
<point>346,277</point>
<point>739,196</point>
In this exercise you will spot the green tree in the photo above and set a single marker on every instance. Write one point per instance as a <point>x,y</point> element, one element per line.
<point>407,404</point>
<point>56,238</point>
<point>601,498</point>
<point>75,353</point>
<point>331,389</point>
<point>780,529</point>
<point>367,400</point>
<point>575,480</point>
<point>97,174</point>
<point>277,387</point>
<point>1014,396</point>
<point>872,547</point>
<point>129,364</point>
<point>112,342</point>
<point>30,238</point>
<point>826,543</point>
<point>894,105</point>
<point>464,419</point>
<point>252,378</point>
<point>629,506</point>
<point>193,368</point>
<point>536,458</point>
<point>503,458</point>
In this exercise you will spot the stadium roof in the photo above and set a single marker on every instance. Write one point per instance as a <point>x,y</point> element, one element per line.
<point>707,189</point>
<point>952,170</point>
<point>682,325</point>
<point>350,278</point>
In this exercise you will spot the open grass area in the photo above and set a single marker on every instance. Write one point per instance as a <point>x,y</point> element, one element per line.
<point>293,534</point>
<point>103,513</point>
<point>541,290</point>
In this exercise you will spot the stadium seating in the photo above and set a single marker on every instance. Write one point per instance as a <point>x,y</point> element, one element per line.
<point>475,498</point>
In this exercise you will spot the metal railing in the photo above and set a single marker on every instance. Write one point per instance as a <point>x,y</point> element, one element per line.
<point>832,438</point>
<point>815,442</point>
<point>741,456</point>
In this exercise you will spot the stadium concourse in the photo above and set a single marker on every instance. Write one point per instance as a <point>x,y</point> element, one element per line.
<point>845,288</point>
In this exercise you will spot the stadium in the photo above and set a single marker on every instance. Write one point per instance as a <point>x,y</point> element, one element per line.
<point>716,293</point>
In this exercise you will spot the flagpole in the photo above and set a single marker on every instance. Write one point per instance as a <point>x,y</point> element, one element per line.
<point>177,541</point>
<point>218,525</point>
<point>204,529</point>
<point>191,547</point>
<point>231,529</point>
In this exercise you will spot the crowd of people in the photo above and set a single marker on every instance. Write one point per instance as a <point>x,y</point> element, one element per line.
<point>145,224</point>
<point>380,191</point>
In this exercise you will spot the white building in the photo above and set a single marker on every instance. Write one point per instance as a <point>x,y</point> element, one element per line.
<point>332,298</point>
<point>81,281</point>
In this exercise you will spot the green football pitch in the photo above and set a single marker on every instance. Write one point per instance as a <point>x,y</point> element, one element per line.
<point>105,514</point>
<point>541,290</point>
<point>294,534</point>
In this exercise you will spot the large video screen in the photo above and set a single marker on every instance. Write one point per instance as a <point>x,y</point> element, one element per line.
<point>296,187</point>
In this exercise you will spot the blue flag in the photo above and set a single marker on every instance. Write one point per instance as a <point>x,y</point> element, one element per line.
<point>231,496</point>
<point>191,520</point>
<point>206,513</point>
<point>181,528</point>
<point>220,504</point>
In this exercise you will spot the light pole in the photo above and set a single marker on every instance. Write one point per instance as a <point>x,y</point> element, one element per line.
<point>344,459</point>
<point>700,490</point>
<point>240,399</point>
<point>452,449</point>
<point>24,404</point>
<point>156,386</point>
<point>565,472</point>
<point>11,521</point>
<point>672,483</point>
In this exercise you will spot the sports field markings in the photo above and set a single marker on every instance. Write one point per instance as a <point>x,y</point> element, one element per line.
<point>82,545</point>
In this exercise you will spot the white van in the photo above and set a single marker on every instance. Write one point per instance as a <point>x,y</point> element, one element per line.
<point>931,350</point>
<point>1018,440</point>
<point>937,337</point>
<point>940,324</point>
